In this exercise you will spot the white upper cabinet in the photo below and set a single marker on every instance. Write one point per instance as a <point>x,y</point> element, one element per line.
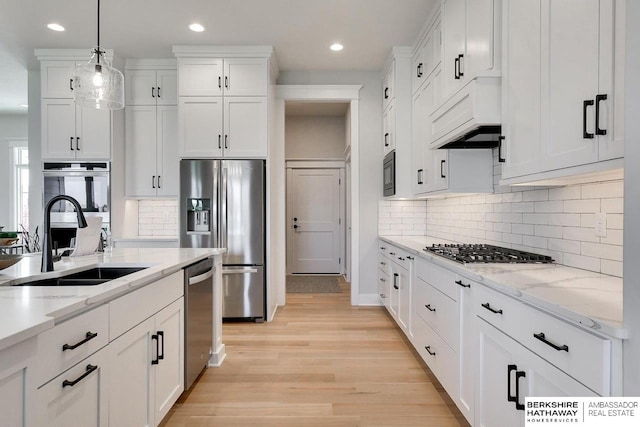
<point>245,127</point>
<point>151,87</point>
<point>245,77</point>
<point>200,76</point>
<point>428,55</point>
<point>217,77</point>
<point>56,79</point>
<point>388,92</point>
<point>569,117</point>
<point>200,126</point>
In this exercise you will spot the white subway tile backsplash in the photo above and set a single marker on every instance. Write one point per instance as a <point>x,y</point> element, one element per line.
<point>613,237</point>
<point>548,231</point>
<point>535,196</point>
<point>603,190</point>
<point>599,250</point>
<point>555,206</point>
<point>565,193</point>
<point>580,234</point>
<point>568,220</point>
<point>535,218</point>
<point>158,218</point>
<point>580,261</point>
<point>613,268</point>
<point>581,206</point>
<point>535,242</point>
<point>612,205</point>
<point>527,229</point>
<point>561,245</point>
<point>522,207</point>
<point>615,221</point>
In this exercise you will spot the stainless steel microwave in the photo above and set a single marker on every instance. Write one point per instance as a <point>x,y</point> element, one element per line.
<point>389,174</point>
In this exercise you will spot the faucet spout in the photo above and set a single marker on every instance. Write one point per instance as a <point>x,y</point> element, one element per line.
<point>47,255</point>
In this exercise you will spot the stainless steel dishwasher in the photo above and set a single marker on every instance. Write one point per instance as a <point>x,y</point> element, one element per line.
<point>198,307</point>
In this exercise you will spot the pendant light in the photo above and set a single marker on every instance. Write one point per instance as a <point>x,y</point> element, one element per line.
<point>96,84</point>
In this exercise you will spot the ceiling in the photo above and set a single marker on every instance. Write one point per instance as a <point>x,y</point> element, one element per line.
<point>299,30</point>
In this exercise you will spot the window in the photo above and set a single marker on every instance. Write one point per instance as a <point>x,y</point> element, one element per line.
<point>20,199</point>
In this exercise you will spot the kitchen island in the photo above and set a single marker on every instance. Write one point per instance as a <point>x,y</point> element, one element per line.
<point>101,352</point>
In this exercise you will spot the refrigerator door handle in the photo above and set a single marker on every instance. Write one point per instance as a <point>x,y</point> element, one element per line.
<point>223,209</point>
<point>239,270</point>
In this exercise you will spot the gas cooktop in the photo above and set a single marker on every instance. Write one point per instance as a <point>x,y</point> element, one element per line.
<point>481,253</point>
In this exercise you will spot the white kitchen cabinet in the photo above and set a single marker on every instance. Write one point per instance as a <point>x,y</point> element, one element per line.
<point>389,129</point>
<point>223,127</point>
<point>71,132</point>
<point>569,124</point>
<point>151,151</point>
<point>56,79</point>
<point>388,85</point>
<point>428,55</point>
<point>218,77</point>
<point>147,369</point>
<point>508,373</point>
<point>17,384</point>
<point>467,347</point>
<point>459,171</point>
<point>77,397</point>
<point>396,270</point>
<point>151,87</point>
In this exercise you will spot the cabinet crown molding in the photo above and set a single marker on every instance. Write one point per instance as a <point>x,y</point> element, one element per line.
<point>224,51</point>
<point>68,54</point>
<point>156,64</point>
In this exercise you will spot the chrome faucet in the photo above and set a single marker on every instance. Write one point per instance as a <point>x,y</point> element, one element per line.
<point>47,256</point>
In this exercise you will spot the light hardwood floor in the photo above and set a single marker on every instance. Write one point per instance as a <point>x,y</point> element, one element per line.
<point>321,362</point>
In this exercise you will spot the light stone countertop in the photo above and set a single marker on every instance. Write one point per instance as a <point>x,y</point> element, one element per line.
<point>26,311</point>
<point>590,299</point>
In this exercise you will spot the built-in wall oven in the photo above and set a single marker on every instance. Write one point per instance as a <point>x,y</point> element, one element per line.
<point>389,174</point>
<point>88,183</point>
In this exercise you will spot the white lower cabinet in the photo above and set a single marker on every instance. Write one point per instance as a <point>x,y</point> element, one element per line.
<point>77,397</point>
<point>16,380</point>
<point>147,369</point>
<point>507,373</point>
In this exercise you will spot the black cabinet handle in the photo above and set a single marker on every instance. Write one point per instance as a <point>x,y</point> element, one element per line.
<point>383,263</point>
<point>395,280</point>
<point>226,82</point>
<point>491,309</point>
<point>88,337</point>
<point>401,258</point>
<point>428,348</point>
<point>71,84</point>
<point>500,158</point>
<point>392,253</point>
<point>153,181</point>
<point>161,355</point>
<point>456,67</point>
<point>226,142</point>
<point>71,143</point>
<point>219,142</point>
<point>89,369</point>
<point>460,72</point>
<point>383,296</point>
<point>382,279</point>
<point>383,248</point>
<point>155,361</point>
<point>386,93</point>
<point>419,70</point>
<point>386,139</point>
<point>153,92</point>
<point>428,307</point>
<point>410,258</point>
<point>219,82</point>
<point>420,176</point>
<point>599,98</point>
<point>158,91</point>
<point>585,104</point>
<point>159,181</point>
<point>519,374</point>
<point>442,175</point>
<point>542,338</point>
<point>459,282</point>
<point>510,398</point>
<point>78,143</point>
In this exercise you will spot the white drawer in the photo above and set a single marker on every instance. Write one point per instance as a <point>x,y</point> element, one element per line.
<point>438,310</point>
<point>131,309</point>
<point>384,263</point>
<point>383,287</point>
<point>70,342</point>
<point>438,277</point>
<point>440,358</point>
<point>584,356</point>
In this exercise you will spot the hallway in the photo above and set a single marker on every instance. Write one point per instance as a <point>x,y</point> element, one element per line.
<point>321,362</point>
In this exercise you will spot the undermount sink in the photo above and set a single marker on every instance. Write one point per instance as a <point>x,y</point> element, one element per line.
<point>91,277</point>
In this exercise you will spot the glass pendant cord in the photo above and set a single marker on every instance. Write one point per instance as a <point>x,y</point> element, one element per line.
<point>96,83</point>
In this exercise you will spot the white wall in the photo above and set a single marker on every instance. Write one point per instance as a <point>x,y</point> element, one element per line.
<point>314,137</point>
<point>631,367</point>
<point>12,126</point>
<point>35,153</point>
<point>369,155</point>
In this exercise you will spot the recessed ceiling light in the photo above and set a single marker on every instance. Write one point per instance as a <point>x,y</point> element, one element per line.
<point>55,27</point>
<point>336,47</point>
<point>196,27</point>
<point>24,105</point>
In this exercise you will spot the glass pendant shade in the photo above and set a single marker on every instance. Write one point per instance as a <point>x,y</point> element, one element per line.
<point>98,85</point>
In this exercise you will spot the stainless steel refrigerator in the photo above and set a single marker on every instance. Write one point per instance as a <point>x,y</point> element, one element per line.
<point>222,204</point>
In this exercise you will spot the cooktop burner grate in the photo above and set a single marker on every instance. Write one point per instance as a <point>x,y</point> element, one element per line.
<point>481,253</point>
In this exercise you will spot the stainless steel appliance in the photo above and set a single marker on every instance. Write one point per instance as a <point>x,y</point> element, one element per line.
<point>222,204</point>
<point>481,253</point>
<point>198,307</point>
<point>88,183</point>
<point>389,174</point>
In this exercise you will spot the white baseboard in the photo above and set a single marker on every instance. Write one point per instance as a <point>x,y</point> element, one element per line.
<point>216,359</point>
<point>369,299</point>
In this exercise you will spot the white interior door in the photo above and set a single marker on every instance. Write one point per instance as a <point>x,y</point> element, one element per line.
<point>314,221</point>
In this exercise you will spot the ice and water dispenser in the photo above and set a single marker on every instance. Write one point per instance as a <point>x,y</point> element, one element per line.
<point>198,215</point>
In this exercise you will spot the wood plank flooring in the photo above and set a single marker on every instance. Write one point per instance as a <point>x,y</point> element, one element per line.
<point>321,362</point>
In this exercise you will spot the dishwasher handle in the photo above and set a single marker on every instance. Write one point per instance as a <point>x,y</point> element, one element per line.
<point>200,278</point>
<point>239,270</point>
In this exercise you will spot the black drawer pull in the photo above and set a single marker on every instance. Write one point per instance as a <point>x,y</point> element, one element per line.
<point>90,369</point>
<point>500,158</point>
<point>383,248</point>
<point>410,258</point>
<point>382,279</point>
<point>383,263</point>
<point>400,258</point>
<point>386,93</point>
<point>428,307</point>
<point>153,92</point>
<point>383,296</point>
<point>510,398</point>
<point>586,104</point>
<point>155,361</point>
<point>459,282</point>
<point>71,84</point>
<point>442,175</point>
<point>542,338</point>
<point>161,355</point>
<point>428,348</point>
<point>419,70</point>
<point>599,98</point>
<point>491,309</point>
<point>88,337</point>
<point>392,253</point>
